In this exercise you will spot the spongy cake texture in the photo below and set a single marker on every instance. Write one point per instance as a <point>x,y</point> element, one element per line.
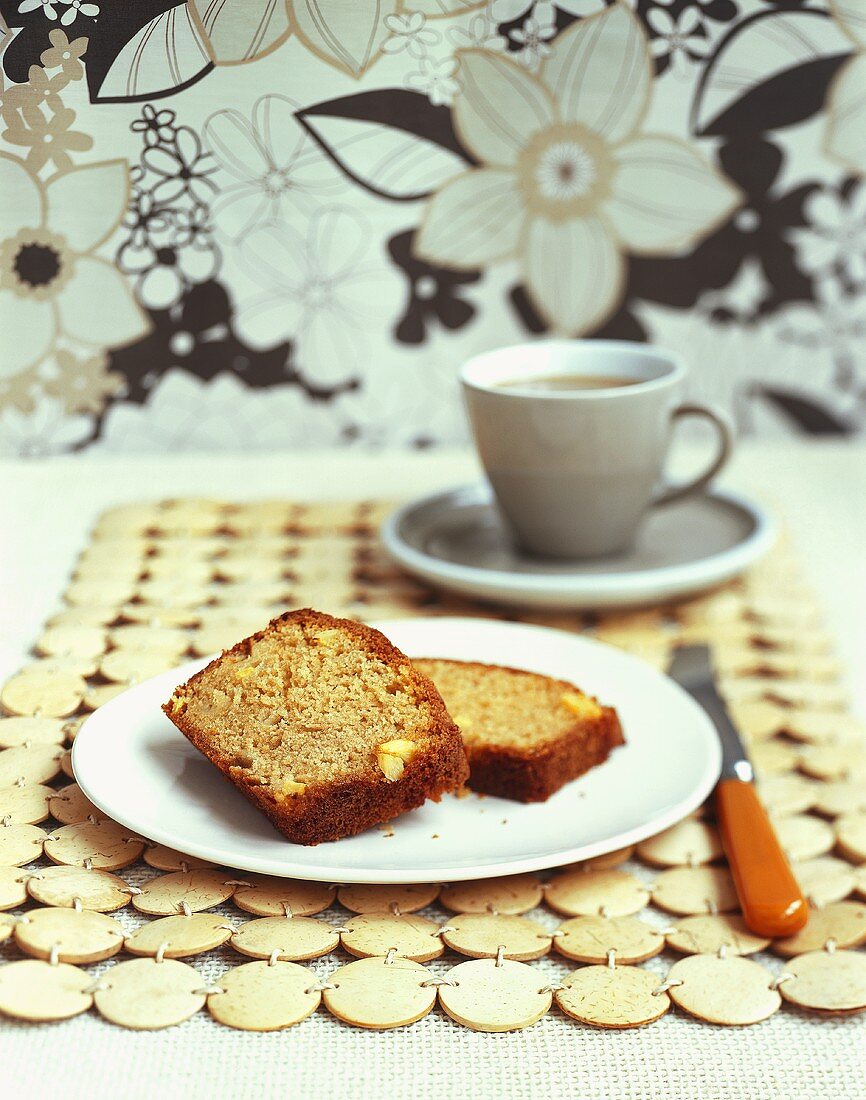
<point>323,724</point>
<point>526,735</point>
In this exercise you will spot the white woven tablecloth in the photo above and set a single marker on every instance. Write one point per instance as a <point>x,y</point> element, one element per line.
<point>47,509</point>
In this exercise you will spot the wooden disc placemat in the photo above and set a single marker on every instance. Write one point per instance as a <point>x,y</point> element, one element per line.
<point>162,581</point>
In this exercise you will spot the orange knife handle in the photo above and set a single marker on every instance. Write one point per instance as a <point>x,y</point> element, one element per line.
<point>772,902</point>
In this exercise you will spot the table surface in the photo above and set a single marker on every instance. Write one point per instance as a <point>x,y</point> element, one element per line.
<point>49,506</point>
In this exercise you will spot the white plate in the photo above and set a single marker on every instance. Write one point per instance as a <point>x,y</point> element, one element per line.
<point>456,540</point>
<point>132,762</point>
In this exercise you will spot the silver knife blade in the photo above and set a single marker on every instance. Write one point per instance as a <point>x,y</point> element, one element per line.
<point>692,668</point>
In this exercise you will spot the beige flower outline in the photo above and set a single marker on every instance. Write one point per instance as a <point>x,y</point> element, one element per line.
<point>53,284</point>
<point>845,135</point>
<point>568,182</point>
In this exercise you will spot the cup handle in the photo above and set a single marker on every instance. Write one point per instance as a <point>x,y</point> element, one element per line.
<point>723,453</point>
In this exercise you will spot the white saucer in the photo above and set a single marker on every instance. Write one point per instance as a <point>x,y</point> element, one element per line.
<point>457,540</point>
<point>136,767</point>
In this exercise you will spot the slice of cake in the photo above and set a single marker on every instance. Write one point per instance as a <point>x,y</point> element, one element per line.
<point>323,724</point>
<point>525,735</point>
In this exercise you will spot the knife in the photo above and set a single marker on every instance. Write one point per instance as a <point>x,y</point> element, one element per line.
<point>772,902</point>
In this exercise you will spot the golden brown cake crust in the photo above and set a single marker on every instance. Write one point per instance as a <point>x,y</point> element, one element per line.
<point>331,811</point>
<point>534,774</point>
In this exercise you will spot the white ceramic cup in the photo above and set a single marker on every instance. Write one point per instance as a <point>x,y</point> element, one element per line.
<point>575,470</point>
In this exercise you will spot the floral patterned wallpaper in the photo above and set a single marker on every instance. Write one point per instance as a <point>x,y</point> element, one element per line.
<point>271,223</point>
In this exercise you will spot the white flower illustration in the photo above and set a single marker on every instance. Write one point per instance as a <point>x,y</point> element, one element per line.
<point>835,322</point>
<point>480,33</point>
<point>274,165</point>
<point>73,7</point>
<point>52,283</point>
<point>321,292</point>
<point>49,7</point>
<point>185,413</point>
<point>436,79</point>
<point>568,182</point>
<point>676,38</point>
<point>835,237</point>
<point>533,37</point>
<point>845,137</point>
<point>46,430</point>
<point>410,33</point>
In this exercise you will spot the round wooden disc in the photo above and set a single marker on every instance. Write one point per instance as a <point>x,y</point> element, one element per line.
<point>67,641</point>
<point>773,756</point>
<point>707,933</point>
<point>851,836</point>
<point>860,880</point>
<point>259,997</point>
<point>81,593</point>
<point>96,696</point>
<point>788,793</point>
<point>66,764</point>
<point>36,731</point>
<point>32,763</point>
<point>164,858</point>
<point>844,922</point>
<point>70,805</point>
<point>596,893</point>
<point>94,615</point>
<point>71,727</point>
<point>732,991</point>
<point>162,896</point>
<point>7,926</point>
<point>182,936</point>
<point>106,844</point>
<point>34,990</point>
<point>63,666</point>
<point>379,994</point>
<point>151,615</point>
<point>295,938</point>
<point>145,995</point>
<point>803,836</point>
<point>13,887</point>
<point>481,935</point>
<point>757,719</point>
<point>695,890</point>
<point>410,936</point>
<point>491,997</point>
<point>131,666</point>
<point>134,636</point>
<point>270,897</point>
<point>60,886</point>
<point>825,879</point>
<point>43,696</point>
<point>827,981</point>
<point>613,997</point>
<point>511,894</point>
<point>840,796</point>
<point>843,760</point>
<point>20,844</point>
<point>79,937</point>
<point>590,939</point>
<point>396,898</point>
<point>820,727</point>
<point>608,860</point>
<point>687,843</point>
<point>27,805</point>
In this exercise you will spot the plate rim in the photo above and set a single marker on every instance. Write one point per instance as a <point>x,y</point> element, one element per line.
<point>668,580</point>
<point>321,873</point>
